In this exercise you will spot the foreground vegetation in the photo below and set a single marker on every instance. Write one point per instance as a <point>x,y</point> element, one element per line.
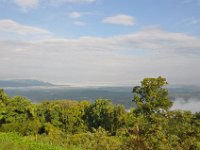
<point>66,124</point>
<point>12,141</point>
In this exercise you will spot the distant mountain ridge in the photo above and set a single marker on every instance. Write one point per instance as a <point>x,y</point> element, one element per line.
<point>23,83</point>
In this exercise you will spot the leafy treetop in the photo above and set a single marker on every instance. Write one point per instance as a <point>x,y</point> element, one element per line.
<point>151,96</point>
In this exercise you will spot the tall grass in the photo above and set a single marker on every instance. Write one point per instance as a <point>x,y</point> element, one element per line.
<point>12,141</point>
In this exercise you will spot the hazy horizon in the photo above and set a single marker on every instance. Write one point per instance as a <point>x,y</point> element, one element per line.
<point>97,84</point>
<point>89,42</point>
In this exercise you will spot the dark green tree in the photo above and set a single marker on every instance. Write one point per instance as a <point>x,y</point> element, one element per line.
<point>103,113</point>
<point>3,103</point>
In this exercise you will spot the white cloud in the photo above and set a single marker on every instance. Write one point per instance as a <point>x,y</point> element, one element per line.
<point>194,21</point>
<point>78,14</point>
<point>118,59</point>
<point>120,19</point>
<point>59,2</point>
<point>7,25</point>
<point>26,4</point>
<point>75,14</point>
<point>190,21</point>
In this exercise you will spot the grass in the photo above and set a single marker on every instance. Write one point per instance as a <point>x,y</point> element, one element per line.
<point>13,141</point>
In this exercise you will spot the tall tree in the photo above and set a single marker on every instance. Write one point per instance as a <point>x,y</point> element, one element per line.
<point>151,96</point>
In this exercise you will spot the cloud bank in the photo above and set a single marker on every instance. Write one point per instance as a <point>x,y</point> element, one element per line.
<point>121,59</point>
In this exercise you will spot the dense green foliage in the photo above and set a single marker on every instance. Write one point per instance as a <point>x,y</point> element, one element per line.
<point>102,125</point>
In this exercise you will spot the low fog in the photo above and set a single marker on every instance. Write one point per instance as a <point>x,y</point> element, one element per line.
<point>192,104</point>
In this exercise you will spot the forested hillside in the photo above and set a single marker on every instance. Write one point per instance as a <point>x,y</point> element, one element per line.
<point>23,83</point>
<point>102,125</point>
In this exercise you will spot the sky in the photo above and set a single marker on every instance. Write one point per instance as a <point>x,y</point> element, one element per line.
<point>100,42</point>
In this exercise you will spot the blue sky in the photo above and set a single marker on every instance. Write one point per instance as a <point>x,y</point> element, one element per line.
<point>100,41</point>
<point>172,15</point>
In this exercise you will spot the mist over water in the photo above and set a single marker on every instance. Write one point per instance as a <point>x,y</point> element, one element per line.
<point>192,104</point>
<point>183,97</point>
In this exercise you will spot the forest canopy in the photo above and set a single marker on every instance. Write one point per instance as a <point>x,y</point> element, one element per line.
<point>150,124</point>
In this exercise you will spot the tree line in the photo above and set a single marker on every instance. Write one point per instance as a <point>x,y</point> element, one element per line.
<point>149,125</point>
